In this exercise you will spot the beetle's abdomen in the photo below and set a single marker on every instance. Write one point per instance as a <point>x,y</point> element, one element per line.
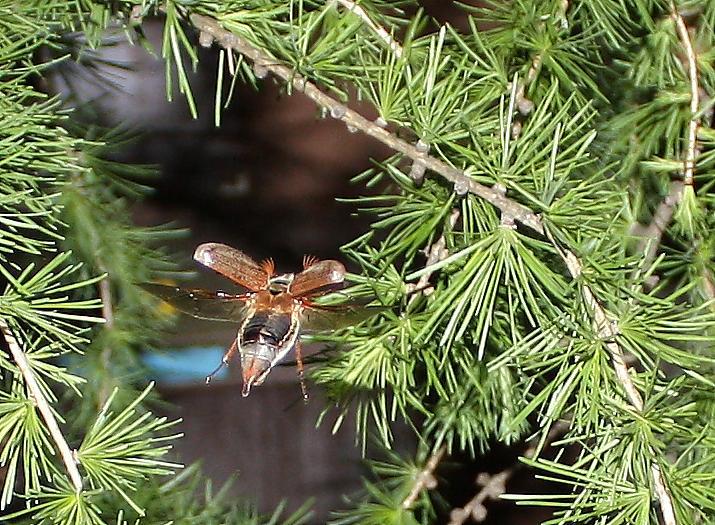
<point>267,328</point>
<point>264,340</point>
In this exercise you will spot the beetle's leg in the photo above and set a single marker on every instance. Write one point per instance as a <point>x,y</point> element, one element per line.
<point>299,362</point>
<point>224,361</point>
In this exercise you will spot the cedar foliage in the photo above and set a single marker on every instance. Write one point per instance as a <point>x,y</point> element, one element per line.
<point>549,275</point>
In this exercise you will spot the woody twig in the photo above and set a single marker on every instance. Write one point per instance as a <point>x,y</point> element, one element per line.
<point>426,479</point>
<point>493,486</point>
<point>105,293</point>
<point>691,149</point>
<point>35,393</point>
<point>653,233</point>
<point>435,253</point>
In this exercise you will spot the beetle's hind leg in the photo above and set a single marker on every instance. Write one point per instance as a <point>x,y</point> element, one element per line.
<point>301,377</point>
<point>224,360</point>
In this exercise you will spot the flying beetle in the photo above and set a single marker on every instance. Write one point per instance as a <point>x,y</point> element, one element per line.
<point>271,315</point>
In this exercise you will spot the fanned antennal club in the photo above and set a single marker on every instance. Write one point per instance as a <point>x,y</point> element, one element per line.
<point>309,260</point>
<point>268,266</point>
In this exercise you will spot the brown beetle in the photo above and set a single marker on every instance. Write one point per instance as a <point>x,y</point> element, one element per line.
<point>271,315</point>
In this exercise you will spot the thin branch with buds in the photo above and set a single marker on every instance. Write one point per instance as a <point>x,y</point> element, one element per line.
<point>652,235</point>
<point>425,480</point>
<point>35,393</point>
<point>352,119</point>
<point>692,148</point>
<point>654,232</point>
<point>493,486</point>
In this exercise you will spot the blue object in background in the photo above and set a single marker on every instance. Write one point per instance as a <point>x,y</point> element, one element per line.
<point>185,365</point>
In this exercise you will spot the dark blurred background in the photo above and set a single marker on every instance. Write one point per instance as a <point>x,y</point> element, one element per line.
<point>265,182</point>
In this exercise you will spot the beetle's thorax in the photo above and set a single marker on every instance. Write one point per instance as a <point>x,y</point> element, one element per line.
<point>280,283</point>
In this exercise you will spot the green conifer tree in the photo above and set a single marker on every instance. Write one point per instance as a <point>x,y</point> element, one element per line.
<point>543,237</point>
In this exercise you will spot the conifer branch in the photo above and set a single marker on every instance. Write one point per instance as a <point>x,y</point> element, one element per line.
<point>380,31</point>
<point>352,119</point>
<point>602,325</point>
<point>463,184</point>
<point>35,392</point>
<point>691,150</point>
<point>653,233</point>
<point>425,480</point>
<point>607,331</point>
